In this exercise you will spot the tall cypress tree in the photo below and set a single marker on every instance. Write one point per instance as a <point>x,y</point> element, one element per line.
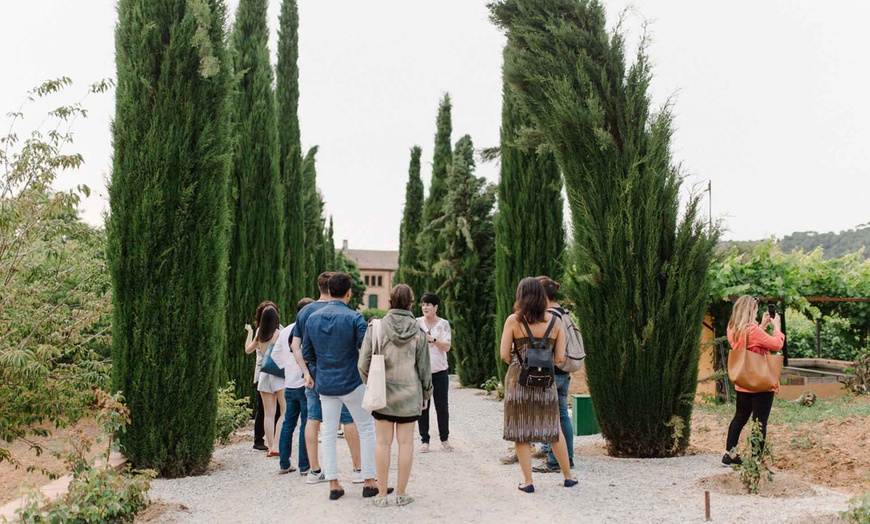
<point>167,230</point>
<point>290,158</point>
<point>257,242</point>
<point>409,271</point>
<point>430,242</point>
<point>314,224</point>
<point>468,265</point>
<point>529,228</point>
<point>640,265</point>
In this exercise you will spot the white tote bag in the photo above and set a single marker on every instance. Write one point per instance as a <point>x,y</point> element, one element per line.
<point>376,387</point>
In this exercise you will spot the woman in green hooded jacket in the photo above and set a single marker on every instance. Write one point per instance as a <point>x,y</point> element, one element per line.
<point>409,387</point>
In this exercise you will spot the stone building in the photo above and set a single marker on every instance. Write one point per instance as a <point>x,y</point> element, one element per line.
<point>378,268</point>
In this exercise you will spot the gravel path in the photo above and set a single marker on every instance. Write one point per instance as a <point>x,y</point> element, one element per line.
<point>469,485</point>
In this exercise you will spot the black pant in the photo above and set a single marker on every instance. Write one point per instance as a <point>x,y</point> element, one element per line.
<point>756,405</point>
<point>440,385</point>
<point>259,429</point>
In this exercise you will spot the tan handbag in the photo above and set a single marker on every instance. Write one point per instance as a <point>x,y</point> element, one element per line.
<point>752,371</point>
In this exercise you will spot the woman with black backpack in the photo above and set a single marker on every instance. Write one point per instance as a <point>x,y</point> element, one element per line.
<point>533,343</point>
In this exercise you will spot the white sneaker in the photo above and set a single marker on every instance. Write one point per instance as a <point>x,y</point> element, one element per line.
<point>340,433</point>
<point>357,477</point>
<point>314,478</point>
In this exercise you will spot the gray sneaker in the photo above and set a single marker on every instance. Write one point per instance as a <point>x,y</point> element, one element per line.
<point>510,458</point>
<point>314,478</point>
<point>545,468</point>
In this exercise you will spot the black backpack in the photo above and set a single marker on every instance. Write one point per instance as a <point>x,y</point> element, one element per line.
<point>537,367</point>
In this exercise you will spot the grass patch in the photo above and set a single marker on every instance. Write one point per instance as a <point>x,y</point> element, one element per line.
<point>793,414</point>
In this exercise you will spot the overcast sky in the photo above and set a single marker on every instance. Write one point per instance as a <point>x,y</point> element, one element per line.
<point>770,99</point>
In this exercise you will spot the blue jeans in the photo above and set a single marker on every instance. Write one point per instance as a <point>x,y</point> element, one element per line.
<point>297,408</point>
<point>315,410</point>
<point>563,383</point>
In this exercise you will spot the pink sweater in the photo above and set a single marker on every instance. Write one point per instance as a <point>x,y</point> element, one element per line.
<point>759,342</point>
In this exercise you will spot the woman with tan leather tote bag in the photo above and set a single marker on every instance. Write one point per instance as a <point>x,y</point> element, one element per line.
<point>752,368</point>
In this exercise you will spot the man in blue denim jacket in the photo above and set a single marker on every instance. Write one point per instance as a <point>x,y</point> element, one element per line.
<point>332,338</point>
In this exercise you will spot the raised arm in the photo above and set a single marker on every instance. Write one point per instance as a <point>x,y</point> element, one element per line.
<point>443,343</point>
<point>250,343</point>
<point>769,342</point>
<point>507,339</point>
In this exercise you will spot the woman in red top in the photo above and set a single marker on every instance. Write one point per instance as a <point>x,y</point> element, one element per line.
<point>744,331</point>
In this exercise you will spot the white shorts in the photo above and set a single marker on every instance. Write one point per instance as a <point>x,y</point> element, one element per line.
<point>270,383</point>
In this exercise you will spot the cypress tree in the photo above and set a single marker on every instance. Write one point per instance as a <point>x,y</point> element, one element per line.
<point>467,266</point>
<point>329,253</point>
<point>529,229</point>
<point>409,271</point>
<point>430,241</point>
<point>314,225</point>
<point>257,242</point>
<point>167,230</point>
<point>640,269</point>
<point>290,158</point>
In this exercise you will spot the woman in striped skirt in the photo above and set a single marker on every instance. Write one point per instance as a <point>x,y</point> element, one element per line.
<point>531,414</point>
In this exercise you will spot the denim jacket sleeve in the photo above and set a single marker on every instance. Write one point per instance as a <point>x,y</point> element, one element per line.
<point>360,328</point>
<point>308,349</point>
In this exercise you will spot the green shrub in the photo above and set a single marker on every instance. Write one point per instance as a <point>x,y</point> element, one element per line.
<point>97,492</point>
<point>232,414</point>
<point>859,510</point>
<point>369,314</point>
<point>755,458</point>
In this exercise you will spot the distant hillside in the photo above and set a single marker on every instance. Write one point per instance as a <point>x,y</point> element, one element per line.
<point>835,245</point>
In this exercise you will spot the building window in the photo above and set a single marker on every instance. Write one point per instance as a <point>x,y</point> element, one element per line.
<point>380,281</point>
<point>367,280</point>
<point>373,302</point>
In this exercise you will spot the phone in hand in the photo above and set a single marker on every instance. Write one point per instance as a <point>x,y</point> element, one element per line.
<point>771,310</point>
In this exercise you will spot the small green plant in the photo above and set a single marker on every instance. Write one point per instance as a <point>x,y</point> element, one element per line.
<point>97,492</point>
<point>807,398</point>
<point>493,385</point>
<point>755,459</point>
<point>232,414</point>
<point>859,510</point>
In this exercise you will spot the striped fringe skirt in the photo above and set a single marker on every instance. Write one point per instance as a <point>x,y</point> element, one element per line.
<point>530,414</point>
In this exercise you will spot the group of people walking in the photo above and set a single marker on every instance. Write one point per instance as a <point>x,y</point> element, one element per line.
<point>312,375</point>
<point>321,363</point>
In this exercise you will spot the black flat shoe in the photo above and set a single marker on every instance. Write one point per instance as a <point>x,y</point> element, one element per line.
<point>530,488</point>
<point>570,483</point>
<point>728,460</point>
<point>373,492</point>
<point>335,494</point>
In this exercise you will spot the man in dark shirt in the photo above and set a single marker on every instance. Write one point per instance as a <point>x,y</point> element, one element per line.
<point>315,413</point>
<point>332,338</point>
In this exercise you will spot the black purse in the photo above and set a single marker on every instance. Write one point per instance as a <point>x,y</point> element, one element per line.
<point>537,366</point>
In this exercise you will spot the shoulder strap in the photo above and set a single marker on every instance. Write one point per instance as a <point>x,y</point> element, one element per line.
<point>555,312</point>
<point>549,328</point>
<point>532,338</point>
<point>376,336</point>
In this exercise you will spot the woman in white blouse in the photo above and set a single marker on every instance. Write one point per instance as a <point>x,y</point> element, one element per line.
<point>438,335</point>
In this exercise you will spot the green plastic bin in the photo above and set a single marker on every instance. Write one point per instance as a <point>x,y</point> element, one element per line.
<point>583,416</point>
